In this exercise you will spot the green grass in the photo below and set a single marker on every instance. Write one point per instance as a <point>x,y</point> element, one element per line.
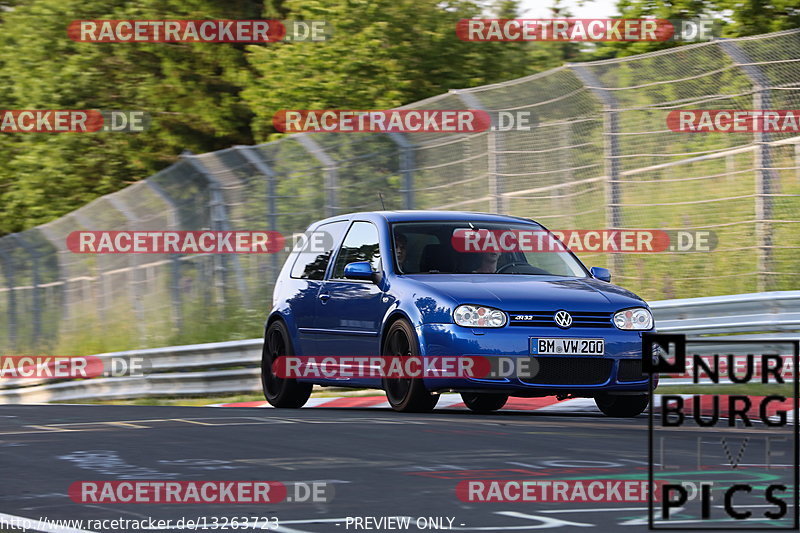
<point>751,389</point>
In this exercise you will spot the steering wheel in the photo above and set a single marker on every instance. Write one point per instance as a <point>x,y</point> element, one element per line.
<point>514,263</point>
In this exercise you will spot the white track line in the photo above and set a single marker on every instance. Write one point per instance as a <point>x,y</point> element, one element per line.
<point>448,400</point>
<point>575,405</point>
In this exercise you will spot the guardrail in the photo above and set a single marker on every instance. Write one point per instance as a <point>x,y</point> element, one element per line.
<point>232,367</point>
<point>192,370</point>
<point>737,313</point>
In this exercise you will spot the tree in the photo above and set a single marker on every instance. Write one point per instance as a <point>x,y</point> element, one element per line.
<point>737,18</point>
<point>190,90</point>
<point>383,53</point>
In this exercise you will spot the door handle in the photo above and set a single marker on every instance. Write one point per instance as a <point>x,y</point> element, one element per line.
<point>324,297</point>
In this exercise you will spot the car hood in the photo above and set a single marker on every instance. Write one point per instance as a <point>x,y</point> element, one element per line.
<point>528,293</point>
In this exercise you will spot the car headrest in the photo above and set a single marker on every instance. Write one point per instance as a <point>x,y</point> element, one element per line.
<point>436,257</point>
<point>468,262</point>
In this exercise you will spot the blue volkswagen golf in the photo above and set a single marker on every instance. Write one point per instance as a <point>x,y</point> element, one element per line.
<point>393,283</point>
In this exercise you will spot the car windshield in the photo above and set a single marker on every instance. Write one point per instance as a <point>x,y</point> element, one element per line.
<point>470,247</point>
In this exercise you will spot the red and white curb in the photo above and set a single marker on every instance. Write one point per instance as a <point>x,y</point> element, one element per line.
<point>446,401</point>
<point>548,404</point>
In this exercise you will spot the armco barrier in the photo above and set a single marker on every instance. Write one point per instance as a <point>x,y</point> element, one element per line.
<point>233,367</point>
<point>735,313</point>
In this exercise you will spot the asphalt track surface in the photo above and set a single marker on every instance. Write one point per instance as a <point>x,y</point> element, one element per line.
<point>380,463</point>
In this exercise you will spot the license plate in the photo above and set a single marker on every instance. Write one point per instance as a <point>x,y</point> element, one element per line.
<point>567,346</point>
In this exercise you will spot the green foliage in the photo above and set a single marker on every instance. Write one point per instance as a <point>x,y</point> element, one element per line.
<point>190,90</point>
<point>204,97</point>
<point>737,18</point>
<point>383,53</point>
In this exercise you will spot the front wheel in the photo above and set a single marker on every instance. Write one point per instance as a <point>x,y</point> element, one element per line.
<point>280,392</point>
<point>405,394</point>
<point>483,403</point>
<point>622,406</point>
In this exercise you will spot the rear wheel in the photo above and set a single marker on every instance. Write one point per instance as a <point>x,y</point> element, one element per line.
<point>482,402</point>
<point>622,406</point>
<point>280,392</point>
<point>405,395</point>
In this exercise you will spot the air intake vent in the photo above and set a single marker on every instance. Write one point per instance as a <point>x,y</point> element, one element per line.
<point>580,319</point>
<point>630,370</point>
<point>571,371</point>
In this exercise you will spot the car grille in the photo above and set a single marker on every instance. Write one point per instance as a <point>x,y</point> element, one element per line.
<point>630,370</point>
<point>580,319</point>
<point>571,371</point>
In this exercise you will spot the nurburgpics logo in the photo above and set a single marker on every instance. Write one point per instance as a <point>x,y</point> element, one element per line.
<point>745,447</point>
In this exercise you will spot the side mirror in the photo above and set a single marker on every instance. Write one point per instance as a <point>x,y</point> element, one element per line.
<point>603,274</point>
<point>359,270</point>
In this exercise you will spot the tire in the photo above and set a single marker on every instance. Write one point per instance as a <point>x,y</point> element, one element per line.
<point>483,402</point>
<point>622,406</point>
<point>280,392</point>
<point>406,395</point>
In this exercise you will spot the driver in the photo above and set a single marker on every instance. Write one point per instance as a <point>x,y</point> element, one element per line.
<point>401,251</point>
<point>488,263</point>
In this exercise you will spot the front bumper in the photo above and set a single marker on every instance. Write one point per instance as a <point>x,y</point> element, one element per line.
<point>618,370</point>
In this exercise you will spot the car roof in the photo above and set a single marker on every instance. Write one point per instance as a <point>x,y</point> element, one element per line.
<point>421,215</point>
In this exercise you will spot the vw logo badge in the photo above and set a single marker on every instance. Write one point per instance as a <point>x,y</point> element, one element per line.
<point>563,319</point>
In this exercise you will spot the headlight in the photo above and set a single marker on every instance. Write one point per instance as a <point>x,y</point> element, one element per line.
<point>476,316</point>
<point>637,318</point>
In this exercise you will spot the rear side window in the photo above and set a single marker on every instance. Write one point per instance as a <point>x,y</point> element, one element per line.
<point>361,244</point>
<point>313,259</point>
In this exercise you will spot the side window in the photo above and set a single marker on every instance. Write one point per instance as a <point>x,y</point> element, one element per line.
<point>313,259</point>
<point>360,244</point>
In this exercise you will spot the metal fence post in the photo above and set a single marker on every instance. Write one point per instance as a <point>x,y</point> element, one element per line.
<point>566,202</point>
<point>797,161</point>
<point>134,277</point>
<point>331,171</point>
<point>494,163</point>
<point>36,330</point>
<point>103,284</point>
<point>8,271</point>
<point>763,160</point>
<point>406,161</point>
<point>219,222</point>
<point>59,248</point>
<point>175,260</point>
<point>610,148</point>
<point>251,154</point>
